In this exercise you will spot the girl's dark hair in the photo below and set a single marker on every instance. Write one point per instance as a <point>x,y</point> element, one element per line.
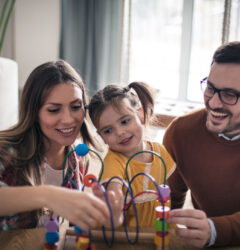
<point>227,53</point>
<point>112,94</point>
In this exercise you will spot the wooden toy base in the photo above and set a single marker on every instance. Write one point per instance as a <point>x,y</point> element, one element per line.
<point>33,239</point>
<point>145,240</point>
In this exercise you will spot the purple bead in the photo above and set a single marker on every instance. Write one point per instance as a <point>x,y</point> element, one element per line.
<point>52,225</point>
<point>164,190</point>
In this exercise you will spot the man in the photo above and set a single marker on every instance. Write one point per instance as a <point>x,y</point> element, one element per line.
<point>205,145</point>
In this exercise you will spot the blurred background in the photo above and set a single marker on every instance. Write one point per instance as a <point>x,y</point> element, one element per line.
<point>166,43</point>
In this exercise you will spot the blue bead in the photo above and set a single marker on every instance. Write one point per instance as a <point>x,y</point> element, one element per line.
<point>78,230</point>
<point>52,238</point>
<point>81,149</point>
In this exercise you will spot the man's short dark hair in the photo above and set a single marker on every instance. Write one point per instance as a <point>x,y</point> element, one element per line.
<point>227,53</point>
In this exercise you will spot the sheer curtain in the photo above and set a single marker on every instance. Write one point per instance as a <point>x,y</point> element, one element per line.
<point>91,36</point>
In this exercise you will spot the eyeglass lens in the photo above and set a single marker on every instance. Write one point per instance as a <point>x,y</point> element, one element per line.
<point>227,97</point>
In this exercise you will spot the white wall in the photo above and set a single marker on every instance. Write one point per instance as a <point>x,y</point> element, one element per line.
<point>33,35</point>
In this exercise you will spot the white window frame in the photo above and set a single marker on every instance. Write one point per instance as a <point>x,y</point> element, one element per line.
<point>186,43</point>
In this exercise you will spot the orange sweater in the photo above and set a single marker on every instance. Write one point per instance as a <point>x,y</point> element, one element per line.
<point>210,167</point>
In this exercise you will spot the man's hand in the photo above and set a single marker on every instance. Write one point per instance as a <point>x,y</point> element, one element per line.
<point>197,230</point>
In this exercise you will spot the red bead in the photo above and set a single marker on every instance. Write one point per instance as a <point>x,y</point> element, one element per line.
<point>50,246</point>
<point>164,199</point>
<point>87,247</point>
<point>160,234</point>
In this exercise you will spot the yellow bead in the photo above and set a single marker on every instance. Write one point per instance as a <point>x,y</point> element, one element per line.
<point>82,241</point>
<point>159,240</point>
<point>166,203</point>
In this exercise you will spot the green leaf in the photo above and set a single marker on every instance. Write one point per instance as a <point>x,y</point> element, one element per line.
<point>6,21</point>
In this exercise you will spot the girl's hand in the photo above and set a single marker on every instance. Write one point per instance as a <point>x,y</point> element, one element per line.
<point>115,198</point>
<point>197,229</point>
<point>82,209</point>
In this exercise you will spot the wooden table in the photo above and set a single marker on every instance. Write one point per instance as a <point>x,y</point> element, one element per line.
<point>33,239</point>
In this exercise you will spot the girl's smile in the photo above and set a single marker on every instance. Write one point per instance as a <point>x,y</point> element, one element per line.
<point>122,129</point>
<point>126,141</point>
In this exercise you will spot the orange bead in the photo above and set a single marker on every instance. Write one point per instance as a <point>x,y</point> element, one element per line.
<point>160,210</point>
<point>159,240</point>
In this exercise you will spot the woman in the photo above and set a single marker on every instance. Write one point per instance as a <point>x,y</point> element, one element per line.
<point>51,117</point>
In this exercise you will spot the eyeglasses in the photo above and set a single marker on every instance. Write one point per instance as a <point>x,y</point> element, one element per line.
<point>226,96</point>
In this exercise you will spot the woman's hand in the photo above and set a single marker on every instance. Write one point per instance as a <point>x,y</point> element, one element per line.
<point>82,209</point>
<point>197,229</point>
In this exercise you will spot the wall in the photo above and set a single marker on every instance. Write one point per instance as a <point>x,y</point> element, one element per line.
<point>33,35</point>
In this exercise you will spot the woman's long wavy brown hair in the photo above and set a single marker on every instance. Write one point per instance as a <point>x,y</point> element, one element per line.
<point>26,137</point>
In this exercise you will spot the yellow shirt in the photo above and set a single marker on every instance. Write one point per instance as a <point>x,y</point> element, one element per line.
<point>115,165</point>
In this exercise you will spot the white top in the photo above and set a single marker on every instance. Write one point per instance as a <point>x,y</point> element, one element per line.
<point>53,177</point>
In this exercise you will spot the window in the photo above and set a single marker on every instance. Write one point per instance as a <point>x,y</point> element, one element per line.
<point>171,42</point>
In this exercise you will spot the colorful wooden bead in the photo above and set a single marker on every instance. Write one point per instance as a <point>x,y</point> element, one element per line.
<point>52,225</point>
<point>161,226</point>
<point>48,246</point>
<point>87,180</point>
<point>164,190</point>
<point>52,238</point>
<point>89,247</point>
<point>160,234</point>
<point>78,230</point>
<point>159,240</point>
<point>167,202</point>
<point>81,241</point>
<point>82,235</point>
<point>81,149</point>
<point>160,211</point>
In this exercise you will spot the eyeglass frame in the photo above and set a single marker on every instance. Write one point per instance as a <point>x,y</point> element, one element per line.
<point>218,91</point>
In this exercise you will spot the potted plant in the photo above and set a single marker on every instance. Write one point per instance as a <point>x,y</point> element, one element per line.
<point>8,74</point>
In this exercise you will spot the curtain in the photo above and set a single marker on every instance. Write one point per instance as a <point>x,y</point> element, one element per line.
<point>91,40</point>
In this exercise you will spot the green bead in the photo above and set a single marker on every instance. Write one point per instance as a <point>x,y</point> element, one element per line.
<point>159,226</point>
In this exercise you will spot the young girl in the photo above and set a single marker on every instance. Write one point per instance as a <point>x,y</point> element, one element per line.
<point>120,114</point>
<point>51,117</point>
